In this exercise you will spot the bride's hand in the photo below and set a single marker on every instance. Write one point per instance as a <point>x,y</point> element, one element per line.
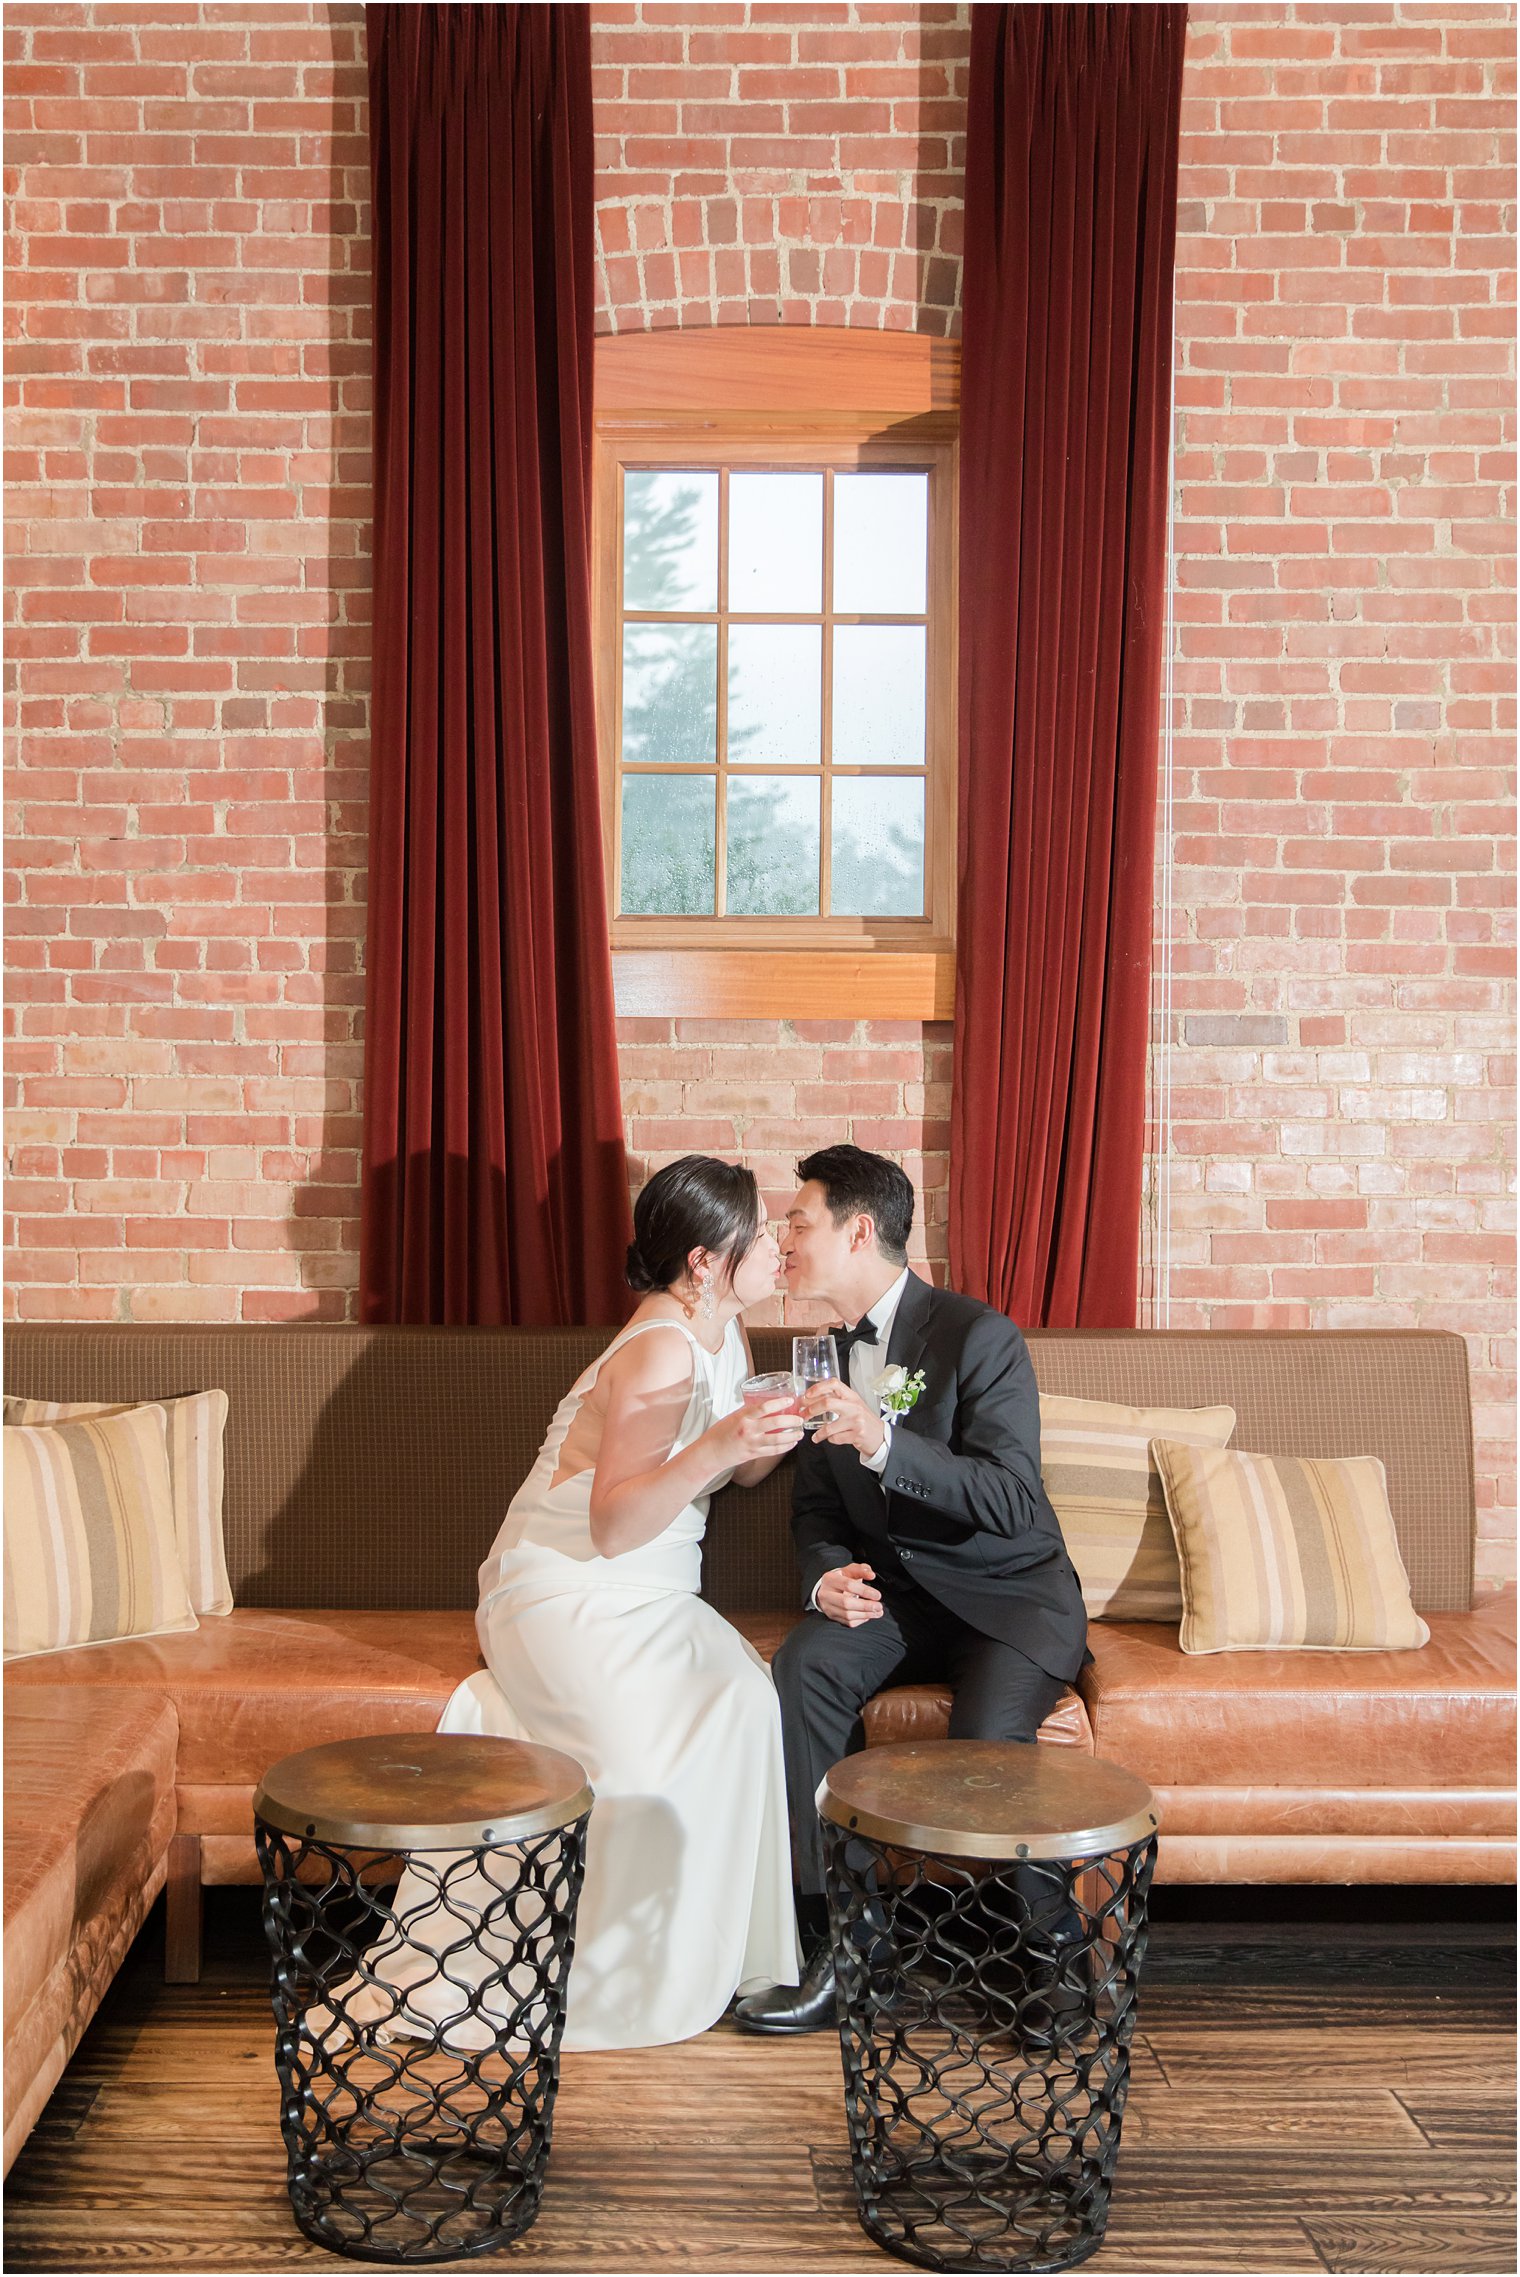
<point>754,1434</point>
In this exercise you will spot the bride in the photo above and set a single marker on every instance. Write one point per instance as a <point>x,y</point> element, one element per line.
<point>596,1642</point>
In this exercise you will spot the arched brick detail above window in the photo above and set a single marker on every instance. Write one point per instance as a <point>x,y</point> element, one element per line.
<point>780,166</point>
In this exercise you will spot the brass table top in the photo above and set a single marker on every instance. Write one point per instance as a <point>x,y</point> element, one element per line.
<point>422,1791</point>
<point>983,1798</point>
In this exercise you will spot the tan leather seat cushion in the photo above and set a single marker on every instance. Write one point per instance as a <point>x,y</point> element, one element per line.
<point>256,1685</point>
<point>89,1813</point>
<point>89,1797</point>
<point>1439,1717</point>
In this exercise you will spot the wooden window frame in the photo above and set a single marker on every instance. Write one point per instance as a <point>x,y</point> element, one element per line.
<point>784,399</point>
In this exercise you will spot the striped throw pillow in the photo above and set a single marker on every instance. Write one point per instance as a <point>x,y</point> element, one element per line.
<point>1286,1552</point>
<point>90,1554</point>
<point>195,1424</point>
<point>1105,1491</point>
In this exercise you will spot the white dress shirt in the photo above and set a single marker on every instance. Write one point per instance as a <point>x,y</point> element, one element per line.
<point>867,1362</point>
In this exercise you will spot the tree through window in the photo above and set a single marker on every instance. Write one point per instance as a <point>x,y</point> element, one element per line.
<point>778,709</point>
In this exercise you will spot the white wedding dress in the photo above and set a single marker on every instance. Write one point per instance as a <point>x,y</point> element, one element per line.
<point>688,1891</point>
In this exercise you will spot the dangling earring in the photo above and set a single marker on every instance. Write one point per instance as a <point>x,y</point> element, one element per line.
<point>709,1298</point>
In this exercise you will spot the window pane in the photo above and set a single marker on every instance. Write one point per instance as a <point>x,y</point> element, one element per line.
<point>670,540</point>
<point>775,542</point>
<point>878,860</point>
<point>669,845</point>
<point>670,693</point>
<point>879,695</point>
<point>772,846</point>
<point>775,694</point>
<point>881,544</point>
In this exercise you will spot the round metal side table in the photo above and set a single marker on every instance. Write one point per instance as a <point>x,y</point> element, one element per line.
<point>419,1899</point>
<point>987,1906</point>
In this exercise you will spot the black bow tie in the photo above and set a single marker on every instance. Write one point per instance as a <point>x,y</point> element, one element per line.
<point>847,1338</point>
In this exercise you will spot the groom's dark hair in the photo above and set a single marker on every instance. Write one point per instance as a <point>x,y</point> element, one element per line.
<point>854,1181</point>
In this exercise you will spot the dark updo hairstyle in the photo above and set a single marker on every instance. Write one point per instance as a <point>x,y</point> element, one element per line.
<point>696,1203</point>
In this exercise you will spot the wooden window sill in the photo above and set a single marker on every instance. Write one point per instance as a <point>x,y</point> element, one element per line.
<point>771,984</point>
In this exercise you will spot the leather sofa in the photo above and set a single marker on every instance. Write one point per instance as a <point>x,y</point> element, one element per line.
<point>90,1813</point>
<point>367,1470</point>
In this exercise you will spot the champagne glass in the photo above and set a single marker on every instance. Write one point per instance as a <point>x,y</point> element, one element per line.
<point>815,1360</point>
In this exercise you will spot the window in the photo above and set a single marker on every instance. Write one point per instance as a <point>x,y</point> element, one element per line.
<point>776,666</point>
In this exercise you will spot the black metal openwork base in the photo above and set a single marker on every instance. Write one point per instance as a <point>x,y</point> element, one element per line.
<point>418,2036</point>
<point>986,2013</point>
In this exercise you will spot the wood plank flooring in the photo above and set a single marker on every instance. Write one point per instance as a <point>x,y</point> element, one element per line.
<point>1306,2096</point>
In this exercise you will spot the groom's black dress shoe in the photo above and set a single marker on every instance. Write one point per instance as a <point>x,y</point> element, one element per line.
<point>805,2007</point>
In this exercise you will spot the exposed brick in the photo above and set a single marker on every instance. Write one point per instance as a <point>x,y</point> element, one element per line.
<point>157,593</point>
<point>1337,535</point>
<point>847,96</point>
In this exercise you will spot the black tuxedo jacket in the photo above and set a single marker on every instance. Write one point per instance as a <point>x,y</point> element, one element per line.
<point>960,1511</point>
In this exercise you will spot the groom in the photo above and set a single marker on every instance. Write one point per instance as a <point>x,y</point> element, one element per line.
<point>929,1550</point>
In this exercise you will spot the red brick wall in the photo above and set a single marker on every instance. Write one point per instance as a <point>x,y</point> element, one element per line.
<point>800,164</point>
<point>188,317</point>
<point>768,1091</point>
<point>188,312</point>
<point>1341,1015</point>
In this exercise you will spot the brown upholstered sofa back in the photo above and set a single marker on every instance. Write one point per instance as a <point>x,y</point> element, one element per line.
<point>370,1467</point>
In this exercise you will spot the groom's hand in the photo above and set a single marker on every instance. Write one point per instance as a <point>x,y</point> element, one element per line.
<point>844,1418</point>
<point>845,1595</point>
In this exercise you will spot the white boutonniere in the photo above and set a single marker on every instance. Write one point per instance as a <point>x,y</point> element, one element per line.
<point>897,1391</point>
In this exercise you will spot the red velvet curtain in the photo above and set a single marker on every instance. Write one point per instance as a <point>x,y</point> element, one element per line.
<point>1071,193</point>
<point>494,1180</point>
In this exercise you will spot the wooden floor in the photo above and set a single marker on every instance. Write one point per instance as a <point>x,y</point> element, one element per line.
<point>1308,2093</point>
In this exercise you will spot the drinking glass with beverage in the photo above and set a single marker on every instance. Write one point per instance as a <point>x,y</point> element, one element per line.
<point>815,1360</point>
<point>758,1391</point>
